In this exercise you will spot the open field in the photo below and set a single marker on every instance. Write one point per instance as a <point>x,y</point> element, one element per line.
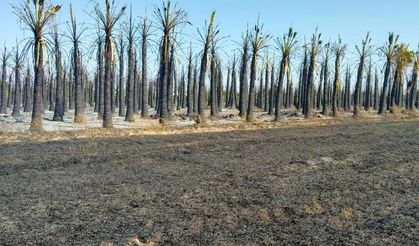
<point>352,182</point>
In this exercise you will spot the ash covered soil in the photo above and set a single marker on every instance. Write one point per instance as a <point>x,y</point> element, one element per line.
<point>351,183</point>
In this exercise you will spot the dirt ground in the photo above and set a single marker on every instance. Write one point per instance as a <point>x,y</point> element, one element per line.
<point>354,183</point>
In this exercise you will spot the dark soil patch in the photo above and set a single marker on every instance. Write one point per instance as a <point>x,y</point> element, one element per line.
<point>342,184</point>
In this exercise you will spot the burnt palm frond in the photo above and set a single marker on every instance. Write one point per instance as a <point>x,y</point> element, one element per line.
<point>287,45</point>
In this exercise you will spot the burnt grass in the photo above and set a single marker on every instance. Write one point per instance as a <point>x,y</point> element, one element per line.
<point>347,184</point>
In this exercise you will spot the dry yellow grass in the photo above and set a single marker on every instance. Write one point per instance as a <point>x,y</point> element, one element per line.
<point>346,213</point>
<point>314,208</point>
<point>168,129</point>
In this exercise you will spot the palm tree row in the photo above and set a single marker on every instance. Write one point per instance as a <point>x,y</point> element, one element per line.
<point>133,89</point>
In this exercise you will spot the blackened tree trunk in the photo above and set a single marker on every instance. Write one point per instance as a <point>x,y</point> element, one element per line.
<point>17,96</point>
<point>414,87</point>
<point>272,91</point>
<point>121,100</point>
<point>28,95</point>
<point>220,92</point>
<point>279,92</point>
<point>339,50</point>
<point>251,100</point>
<point>243,80</point>
<point>266,92</point>
<point>325,83</point>
<point>228,87</point>
<point>376,91</point>
<point>213,85</point>
<point>190,94</point>
<point>129,116</point>
<point>59,92</point>
<point>310,79</point>
<point>3,89</point>
<point>36,123</point>
<point>304,81</point>
<point>367,103</point>
<point>145,36</point>
<point>358,86</point>
<point>195,90</point>
<point>107,113</point>
<point>233,89</point>
<point>171,80</point>
<point>78,94</point>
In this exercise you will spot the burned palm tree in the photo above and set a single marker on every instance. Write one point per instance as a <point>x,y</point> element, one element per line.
<point>315,48</point>
<point>364,51</point>
<point>129,116</point>
<point>36,15</point>
<point>286,45</point>
<point>121,57</point>
<point>339,50</point>
<point>167,18</point>
<point>190,90</point>
<point>145,36</point>
<point>325,77</point>
<point>3,90</point>
<point>233,90</point>
<point>258,41</point>
<point>207,37</point>
<point>272,91</point>
<point>213,80</point>
<point>243,79</point>
<point>59,88</point>
<point>27,91</point>
<point>75,38</point>
<point>108,19</point>
<point>367,103</point>
<point>17,92</point>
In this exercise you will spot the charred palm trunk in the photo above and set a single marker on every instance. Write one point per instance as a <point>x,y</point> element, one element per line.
<point>144,104</point>
<point>376,91</point>
<point>336,86</point>
<point>171,80</point>
<point>130,81</point>
<point>27,94</point>
<point>279,92</point>
<point>367,103</point>
<point>272,92</point>
<point>202,73</point>
<point>304,82</point>
<point>107,113</point>
<point>243,95</point>
<point>51,93</point>
<point>190,94</point>
<point>36,123</point>
<point>17,96</point>
<point>219,88</point>
<point>266,92</point>
<point>358,86</point>
<point>251,100</point>
<point>59,92</point>
<point>121,101</point>
<point>233,89</point>
<point>310,82</point>
<point>78,93</point>
<point>195,90</point>
<point>99,99</point>
<point>260,94</point>
<point>414,87</point>
<point>3,89</point>
<point>325,84</point>
<point>213,85</point>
